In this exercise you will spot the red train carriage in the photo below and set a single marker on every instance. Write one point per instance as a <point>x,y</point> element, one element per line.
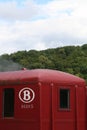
<point>42,100</point>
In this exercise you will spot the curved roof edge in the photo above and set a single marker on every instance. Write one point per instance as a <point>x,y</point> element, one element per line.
<point>43,75</point>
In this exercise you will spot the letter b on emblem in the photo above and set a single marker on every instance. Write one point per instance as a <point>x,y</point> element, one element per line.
<point>26,95</point>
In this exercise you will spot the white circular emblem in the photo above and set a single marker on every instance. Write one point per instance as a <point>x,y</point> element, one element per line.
<point>26,95</point>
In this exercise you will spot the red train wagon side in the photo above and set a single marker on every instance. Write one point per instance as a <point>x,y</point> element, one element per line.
<point>42,99</point>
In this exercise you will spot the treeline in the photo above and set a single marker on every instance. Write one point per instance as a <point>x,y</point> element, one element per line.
<point>71,59</point>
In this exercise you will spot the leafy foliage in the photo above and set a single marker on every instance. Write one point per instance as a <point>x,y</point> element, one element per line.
<point>71,59</point>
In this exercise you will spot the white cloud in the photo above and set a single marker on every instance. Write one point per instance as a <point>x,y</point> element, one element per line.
<point>56,8</point>
<point>12,11</point>
<point>33,26</point>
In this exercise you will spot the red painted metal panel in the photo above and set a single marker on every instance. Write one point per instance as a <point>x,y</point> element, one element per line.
<point>63,118</point>
<point>81,108</point>
<point>26,115</point>
<point>45,107</point>
<point>86,107</point>
<point>37,102</point>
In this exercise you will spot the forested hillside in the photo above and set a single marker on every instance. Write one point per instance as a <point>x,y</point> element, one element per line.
<point>71,59</point>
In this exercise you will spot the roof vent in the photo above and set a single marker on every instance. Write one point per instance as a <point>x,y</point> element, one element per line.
<point>23,68</point>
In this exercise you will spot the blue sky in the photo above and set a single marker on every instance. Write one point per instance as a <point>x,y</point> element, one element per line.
<point>41,24</point>
<point>37,1</point>
<point>42,1</point>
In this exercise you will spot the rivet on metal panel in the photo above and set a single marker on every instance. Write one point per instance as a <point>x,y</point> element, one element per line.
<point>76,86</point>
<point>51,84</point>
<point>39,83</point>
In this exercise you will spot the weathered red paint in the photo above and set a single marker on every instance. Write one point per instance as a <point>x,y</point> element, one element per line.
<point>42,112</point>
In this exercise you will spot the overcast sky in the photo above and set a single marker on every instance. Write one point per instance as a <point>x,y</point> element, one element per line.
<point>41,24</point>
